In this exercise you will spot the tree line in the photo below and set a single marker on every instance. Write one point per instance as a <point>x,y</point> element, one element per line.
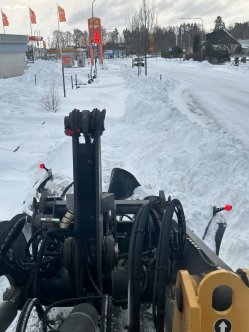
<point>144,35</point>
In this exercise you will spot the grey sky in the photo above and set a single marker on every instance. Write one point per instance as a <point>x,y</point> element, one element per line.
<point>116,13</point>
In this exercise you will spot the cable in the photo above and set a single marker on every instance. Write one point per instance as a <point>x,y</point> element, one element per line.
<point>93,283</point>
<point>26,312</point>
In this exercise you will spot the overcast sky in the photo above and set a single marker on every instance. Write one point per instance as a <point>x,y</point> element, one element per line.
<point>116,13</point>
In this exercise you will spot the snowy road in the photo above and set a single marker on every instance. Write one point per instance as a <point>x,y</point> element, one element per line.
<point>211,93</point>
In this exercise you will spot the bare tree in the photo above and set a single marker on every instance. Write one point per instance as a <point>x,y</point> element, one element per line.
<point>50,99</point>
<point>143,22</point>
<point>56,39</point>
<point>68,39</point>
<point>147,19</point>
<point>136,35</point>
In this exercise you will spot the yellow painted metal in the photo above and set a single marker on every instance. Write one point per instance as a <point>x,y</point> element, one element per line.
<point>198,314</point>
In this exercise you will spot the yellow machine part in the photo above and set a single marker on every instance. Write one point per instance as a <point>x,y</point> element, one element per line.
<point>195,301</point>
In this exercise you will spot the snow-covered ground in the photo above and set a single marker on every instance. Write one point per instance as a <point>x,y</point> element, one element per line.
<point>186,133</point>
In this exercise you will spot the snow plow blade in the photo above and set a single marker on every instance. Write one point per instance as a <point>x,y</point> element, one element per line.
<point>122,183</point>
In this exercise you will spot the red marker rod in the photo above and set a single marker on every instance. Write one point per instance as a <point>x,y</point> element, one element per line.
<point>227,207</point>
<point>42,166</point>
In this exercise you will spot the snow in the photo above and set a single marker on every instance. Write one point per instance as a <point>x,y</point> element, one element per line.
<point>186,134</point>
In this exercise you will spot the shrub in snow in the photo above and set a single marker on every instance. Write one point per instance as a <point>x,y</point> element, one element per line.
<point>50,99</point>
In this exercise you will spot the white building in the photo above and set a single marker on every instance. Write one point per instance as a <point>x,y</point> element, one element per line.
<point>12,55</point>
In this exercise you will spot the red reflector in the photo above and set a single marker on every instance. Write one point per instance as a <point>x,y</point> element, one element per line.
<point>42,166</point>
<point>69,132</point>
<point>228,207</point>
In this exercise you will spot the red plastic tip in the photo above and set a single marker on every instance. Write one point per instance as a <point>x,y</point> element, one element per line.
<point>42,166</point>
<point>228,207</point>
<point>69,132</point>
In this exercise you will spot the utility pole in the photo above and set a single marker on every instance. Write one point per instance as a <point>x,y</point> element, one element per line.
<point>176,32</point>
<point>145,36</point>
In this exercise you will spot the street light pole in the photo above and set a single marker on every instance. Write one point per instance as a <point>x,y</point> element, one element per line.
<point>92,41</point>
<point>92,7</point>
<point>201,19</point>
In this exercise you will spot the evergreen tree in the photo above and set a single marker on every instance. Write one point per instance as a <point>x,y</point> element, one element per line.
<point>115,36</point>
<point>197,43</point>
<point>219,24</point>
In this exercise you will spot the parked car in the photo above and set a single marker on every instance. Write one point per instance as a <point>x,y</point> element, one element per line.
<point>138,62</point>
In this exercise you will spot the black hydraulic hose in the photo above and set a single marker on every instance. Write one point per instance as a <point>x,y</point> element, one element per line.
<point>135,267</point>
<point>155,288</point>
<point>33,237</point>
<point>162,272</point>
<point>66,189</point>
<point>93,283</point>
<point>10,230</point>
<point>26,312</point>
<point>43,183</point>
<point>40,258</point>
<point>36,285</point>
<point>106,314</point>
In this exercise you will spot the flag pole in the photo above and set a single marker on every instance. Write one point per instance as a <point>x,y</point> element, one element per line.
<point>31,32</point>
<point>2,21</point>
<point>58,17</point>
<point>30,23</point>
<point>62,67</point>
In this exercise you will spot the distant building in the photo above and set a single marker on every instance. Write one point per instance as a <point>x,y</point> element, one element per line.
<point>112,54</point>
<point>71,57</point>
<point>222,39</point>
<point>12,55</point>
<point>244,45</point>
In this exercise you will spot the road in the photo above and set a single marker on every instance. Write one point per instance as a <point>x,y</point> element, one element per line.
<point>211,93</point>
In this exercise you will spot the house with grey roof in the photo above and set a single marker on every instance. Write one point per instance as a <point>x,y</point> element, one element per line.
<point>222,39</point>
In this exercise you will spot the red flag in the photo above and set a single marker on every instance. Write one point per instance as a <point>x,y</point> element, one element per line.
<point>5,20</point>
<point>32,16</point>
<point>61,13</point>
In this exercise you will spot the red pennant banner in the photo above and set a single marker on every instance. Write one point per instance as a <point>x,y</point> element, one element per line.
<point>61,13</point>
<point>32,16</point>
<point>5,20</point>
